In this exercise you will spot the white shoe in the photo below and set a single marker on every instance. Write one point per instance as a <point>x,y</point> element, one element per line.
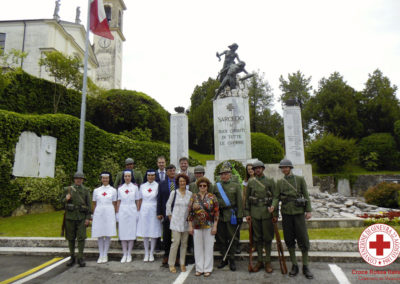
<point>123,260</point>
<point>100,260</point>
<point>146,258</point>
<point>129,258</point>
<point>151,258</point>
<point>105,259</point>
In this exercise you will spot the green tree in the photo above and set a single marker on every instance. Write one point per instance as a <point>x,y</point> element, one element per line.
<point>296,87</point>
<point>65,71</point>
<point>271,124</point>
<point>201,124</point>
<point>380,107</point>
<point>12,59</point>
<point>334,109</point>
<point>260,99</point>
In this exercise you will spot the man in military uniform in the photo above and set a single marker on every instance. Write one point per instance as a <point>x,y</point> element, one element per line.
<point>137,175</point>
<point>198,173</point>
<point>295,209</point>
<point>228,212</point>
<point>259,210</point>
<point>77,215</point>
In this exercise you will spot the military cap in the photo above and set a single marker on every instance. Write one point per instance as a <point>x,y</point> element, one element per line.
<point>129,161</point>
<point>79,175</point>
<point>258,164</point>
<point>225,169</point>
<point>286,163</point>
<point>199,169</point>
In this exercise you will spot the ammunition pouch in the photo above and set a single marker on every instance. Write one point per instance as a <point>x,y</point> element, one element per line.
<point>70,207</point>
<point>83,209</point>
<point>260,201</point>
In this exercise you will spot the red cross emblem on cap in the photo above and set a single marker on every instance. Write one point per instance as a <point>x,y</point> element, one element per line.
<point>126,191</point>
<point>149,190</point>
<point>104,193</point>
<point>379,245</point>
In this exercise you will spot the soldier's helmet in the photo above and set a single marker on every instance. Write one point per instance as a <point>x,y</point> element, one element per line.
<point>129,161</point>
<point>286,163</point>
<point>79,175</point>
<point>199,169</point>
<point>258,164</point>
<point>225,169</point>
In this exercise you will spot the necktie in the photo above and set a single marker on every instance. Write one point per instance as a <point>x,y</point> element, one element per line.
<point>172,186</point>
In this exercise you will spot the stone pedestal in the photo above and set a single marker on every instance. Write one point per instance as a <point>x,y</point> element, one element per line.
<point>294,146</point>
<point>35,156</point>
<point>232,129</point>
<point>179,138</point>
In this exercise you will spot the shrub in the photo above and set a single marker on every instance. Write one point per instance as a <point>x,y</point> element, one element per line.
<point>383,195</point>
<point>42,190</point>
<point>265,148</point>
<point>331,153</point>
<point>384,145</point>
<point>119,110</point>
<point>99,146</point>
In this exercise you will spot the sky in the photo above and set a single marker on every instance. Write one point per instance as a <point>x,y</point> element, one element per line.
<point>171,45</point>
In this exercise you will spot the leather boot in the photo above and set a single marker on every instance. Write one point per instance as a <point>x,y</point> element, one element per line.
<point>81,262</point>
<point>258,266</point>
<point>294,271</point>
<point>268,267</point>
<point>222,264</point>
<point>71,261</point>
<point>307,273</point>
<point>165,262</point>
<point>232,265</point>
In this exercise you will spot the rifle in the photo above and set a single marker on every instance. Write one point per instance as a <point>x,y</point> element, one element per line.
<point>231,242</point>
<point>281,256</point>
<point>63,223</point>
<point>250,267</point>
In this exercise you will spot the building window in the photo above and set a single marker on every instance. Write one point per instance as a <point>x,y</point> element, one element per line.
<point>120,20</point>
<point>107,9</point>
<point>2,41</point>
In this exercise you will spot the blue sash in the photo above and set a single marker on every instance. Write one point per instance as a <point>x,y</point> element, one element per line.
<point>227,203</point>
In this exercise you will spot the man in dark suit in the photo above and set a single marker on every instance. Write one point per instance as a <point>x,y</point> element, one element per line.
<point>161,174</point>
<point>164,191</point>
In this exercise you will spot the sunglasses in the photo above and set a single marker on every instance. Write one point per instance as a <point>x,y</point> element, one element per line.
<point>202,185</point>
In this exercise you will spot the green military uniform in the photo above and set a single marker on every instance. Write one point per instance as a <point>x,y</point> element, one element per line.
<point>77,210</point>
<point>259,196</point>
<point>137,175</point>
<point>294,226</point>
<point>225,229</point>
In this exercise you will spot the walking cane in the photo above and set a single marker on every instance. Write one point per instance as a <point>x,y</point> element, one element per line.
<point>231,242</point>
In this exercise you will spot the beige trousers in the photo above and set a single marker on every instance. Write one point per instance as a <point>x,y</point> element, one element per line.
<point>178,238</point>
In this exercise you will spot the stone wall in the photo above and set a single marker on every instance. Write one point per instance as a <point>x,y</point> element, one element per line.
<point>358,188</point>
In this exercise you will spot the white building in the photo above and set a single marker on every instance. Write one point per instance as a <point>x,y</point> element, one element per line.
<point>36,37</point>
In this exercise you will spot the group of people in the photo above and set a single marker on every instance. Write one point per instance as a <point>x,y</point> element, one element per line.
<point>188,211</point>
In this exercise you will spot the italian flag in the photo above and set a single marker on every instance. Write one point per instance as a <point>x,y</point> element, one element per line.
<point>98,19</point>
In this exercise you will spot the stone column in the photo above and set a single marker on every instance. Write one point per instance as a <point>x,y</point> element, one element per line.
<point>232,129</point>
<point>294,146</point>
<point>179,138</point>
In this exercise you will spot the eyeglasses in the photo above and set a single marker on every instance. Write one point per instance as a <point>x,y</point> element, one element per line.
<point>202,185</point>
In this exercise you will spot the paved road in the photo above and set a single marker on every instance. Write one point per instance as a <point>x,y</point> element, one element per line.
<point>139,272</point>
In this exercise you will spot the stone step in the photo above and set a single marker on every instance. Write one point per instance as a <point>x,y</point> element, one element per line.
<point>115,254</point>
<point>315,245</point>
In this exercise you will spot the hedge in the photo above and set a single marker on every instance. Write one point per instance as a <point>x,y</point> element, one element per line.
<point>102,149</point>
<point>265,148</point>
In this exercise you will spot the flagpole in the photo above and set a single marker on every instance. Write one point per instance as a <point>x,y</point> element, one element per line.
<point>84,90</point>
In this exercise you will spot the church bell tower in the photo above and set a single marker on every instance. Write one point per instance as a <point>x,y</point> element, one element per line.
<point>109,52</point>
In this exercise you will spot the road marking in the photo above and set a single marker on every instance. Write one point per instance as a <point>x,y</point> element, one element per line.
<point>339,274</point>
<point>35,269</point>
<point>183,275</point>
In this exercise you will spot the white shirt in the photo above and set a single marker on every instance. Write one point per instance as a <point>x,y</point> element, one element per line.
<point>180,212</point>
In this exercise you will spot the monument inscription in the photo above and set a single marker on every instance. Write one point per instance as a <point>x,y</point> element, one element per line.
<point>293,135</point>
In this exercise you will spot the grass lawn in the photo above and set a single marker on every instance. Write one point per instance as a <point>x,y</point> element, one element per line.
<point>49,225</point>
<point>355,170</point>
<point>201,157</point>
